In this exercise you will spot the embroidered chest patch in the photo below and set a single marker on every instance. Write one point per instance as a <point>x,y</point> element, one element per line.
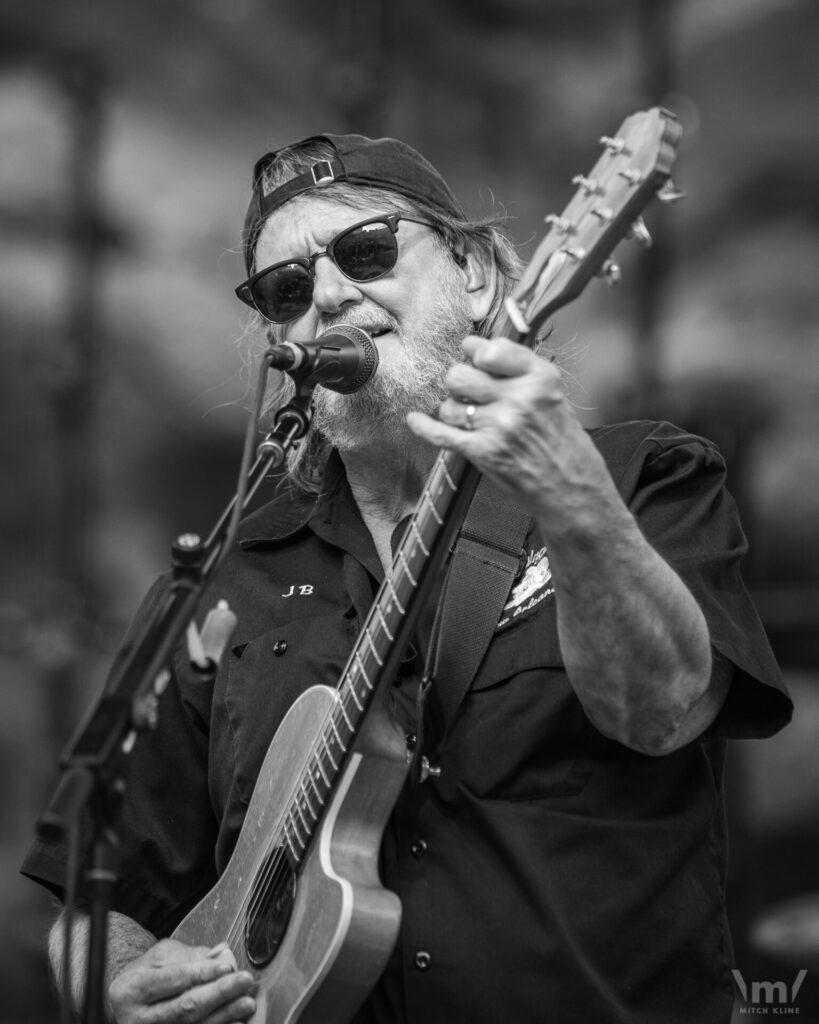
<point>534,586</point>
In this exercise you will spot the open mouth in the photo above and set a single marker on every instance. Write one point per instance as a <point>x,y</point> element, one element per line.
<point>377,332</point>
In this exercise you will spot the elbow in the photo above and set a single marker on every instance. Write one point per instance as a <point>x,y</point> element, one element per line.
<point>674,717</point>
<point>659,744</point>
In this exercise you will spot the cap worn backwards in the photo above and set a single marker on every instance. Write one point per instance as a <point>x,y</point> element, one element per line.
<point>379,163</point>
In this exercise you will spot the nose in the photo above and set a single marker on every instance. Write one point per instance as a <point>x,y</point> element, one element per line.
<point>332,291</point>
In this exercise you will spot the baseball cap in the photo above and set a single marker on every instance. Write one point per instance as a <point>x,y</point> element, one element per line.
<point>380,163</point>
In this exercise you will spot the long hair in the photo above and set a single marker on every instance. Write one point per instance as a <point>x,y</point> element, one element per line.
<point>483,238</point>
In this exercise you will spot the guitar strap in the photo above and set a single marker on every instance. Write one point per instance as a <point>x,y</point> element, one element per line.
<point>484,564</point>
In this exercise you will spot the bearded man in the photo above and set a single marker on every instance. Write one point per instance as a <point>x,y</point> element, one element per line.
<point>566,861</point>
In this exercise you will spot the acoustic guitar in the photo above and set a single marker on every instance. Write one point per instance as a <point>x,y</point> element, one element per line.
<point>300,902</point>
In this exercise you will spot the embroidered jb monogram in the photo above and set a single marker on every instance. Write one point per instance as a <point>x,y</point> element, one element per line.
<point>299,590</point>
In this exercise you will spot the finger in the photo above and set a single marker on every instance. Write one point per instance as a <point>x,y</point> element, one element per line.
<point>160,983</point>
<point>169,951</point>
<point>441,434</point>
<point>239,1010</point>
<point>232,998</point>
<point>464,415</point>
<point>224,954</point>
<point>466,382</point>
<point>499,357</point>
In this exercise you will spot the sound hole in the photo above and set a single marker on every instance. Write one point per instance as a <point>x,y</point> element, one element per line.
<point>272,904</point>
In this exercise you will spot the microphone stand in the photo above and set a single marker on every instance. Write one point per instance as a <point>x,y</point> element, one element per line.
<point>87,800</point>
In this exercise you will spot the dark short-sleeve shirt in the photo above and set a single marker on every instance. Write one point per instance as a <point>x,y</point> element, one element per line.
<point>549,872</point>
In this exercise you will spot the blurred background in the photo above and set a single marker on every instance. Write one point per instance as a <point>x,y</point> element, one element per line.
<point>129,129</point>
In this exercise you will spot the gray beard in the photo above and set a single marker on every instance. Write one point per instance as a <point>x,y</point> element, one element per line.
<point>376,415</point>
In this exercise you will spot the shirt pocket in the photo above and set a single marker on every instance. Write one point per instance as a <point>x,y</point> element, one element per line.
<point>521,734</point>
<point>268,673</point>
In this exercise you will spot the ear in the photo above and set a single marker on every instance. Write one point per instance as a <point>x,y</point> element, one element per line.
<point>480,277</point>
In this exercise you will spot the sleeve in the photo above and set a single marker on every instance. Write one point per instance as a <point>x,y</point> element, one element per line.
<point>674,485</point>
<point>166,828</point>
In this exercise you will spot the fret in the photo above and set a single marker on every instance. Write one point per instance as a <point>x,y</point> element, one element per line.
<point>450,482</point>
<point>310,808</point>
<point>303,819</point>
<point>398,604</point>
<point>331,765</point>
<point>363,671</point>
<point>354,695</point>
<point>384,625</point>
<point>434,510</point>
<point>346,718</point>
<point>402,558</point>
<point>338,735</point>
<point>295,829</point>
<point>369,637</point>
<point>319,770</point>
<point>329,754</point>
<point>316,776</point>
<point>294,853</point>
<point>419,538</point>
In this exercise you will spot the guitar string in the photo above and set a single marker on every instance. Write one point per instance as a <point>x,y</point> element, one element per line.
<point>275,862</point>
<point>274,857</point>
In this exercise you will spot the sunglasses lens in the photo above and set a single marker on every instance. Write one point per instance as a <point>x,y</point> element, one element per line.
<point>366,253</point>
<point>283,294</point>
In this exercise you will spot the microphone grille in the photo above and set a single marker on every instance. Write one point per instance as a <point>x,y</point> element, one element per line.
<point>369,357</point>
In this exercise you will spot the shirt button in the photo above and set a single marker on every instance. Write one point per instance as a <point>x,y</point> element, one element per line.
<point>279,648</point>
<point>418,848</point>
<point>422,960</point>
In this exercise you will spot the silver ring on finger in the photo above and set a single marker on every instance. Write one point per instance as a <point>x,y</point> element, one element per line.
<point>469,423</point>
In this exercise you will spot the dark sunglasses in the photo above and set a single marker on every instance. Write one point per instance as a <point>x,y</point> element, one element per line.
<point>363,252</point>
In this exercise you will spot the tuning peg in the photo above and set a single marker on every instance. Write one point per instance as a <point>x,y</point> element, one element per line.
<point>639,232</point>
<point>613,145</point>
<point>670,193</point>
<point>561,224</point>
<point>589,185</point>
<point>632,175</point>
<point>603,213</point>
<point>610,272</point>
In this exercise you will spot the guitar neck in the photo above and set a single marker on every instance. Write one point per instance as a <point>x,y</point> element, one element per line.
<point>383,638</point>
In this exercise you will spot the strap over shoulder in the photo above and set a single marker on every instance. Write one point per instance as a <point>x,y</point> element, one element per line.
<point>483,568</point>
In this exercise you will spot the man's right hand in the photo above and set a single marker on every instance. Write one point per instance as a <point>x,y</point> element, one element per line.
<point>176,984</point>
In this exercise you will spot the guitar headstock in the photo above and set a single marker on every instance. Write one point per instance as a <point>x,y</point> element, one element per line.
<point>606,207</point>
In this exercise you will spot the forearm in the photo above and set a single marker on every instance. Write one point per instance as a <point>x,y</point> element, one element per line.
<point>126,941</point>
<point>634,640</point>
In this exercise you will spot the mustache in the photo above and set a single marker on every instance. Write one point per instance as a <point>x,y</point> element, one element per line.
<point>371,320</point>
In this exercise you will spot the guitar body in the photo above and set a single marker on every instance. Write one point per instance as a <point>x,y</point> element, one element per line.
<point>343,924</point>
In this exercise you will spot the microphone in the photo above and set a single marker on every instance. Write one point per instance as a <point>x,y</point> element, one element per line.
<point>342,359</point>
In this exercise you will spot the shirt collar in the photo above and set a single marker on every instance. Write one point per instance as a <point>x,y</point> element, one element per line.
<point>332,514</point>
